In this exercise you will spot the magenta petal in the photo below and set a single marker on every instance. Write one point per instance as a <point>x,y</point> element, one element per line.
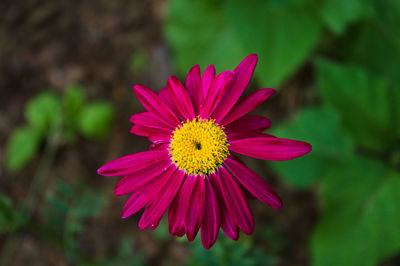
<point>166,97</point>
<point>149,120</point>
<point>195,213</point>
<point>218,87</point>
<point>131,163</point>
<point>194,86</point>
<point>179,207</point>
<point>247,105</point>
<point>142,196</point>
<point>243,73</point>
<point>181,98</point>
<point>208,78</point>
<point>154,212</point>
<point>154,134</point>
<point>159,146</point>
<point>254,183</point>
<point>227,222</point>
<point>270,148</point>
<point>155,105</point>
<point>211,219</point>
<point>249,123</point>
<point>236,202</point>
<point>134,181</point>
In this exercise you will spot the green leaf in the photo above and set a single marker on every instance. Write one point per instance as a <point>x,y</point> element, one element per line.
<point>366,104</point>
<point>96,119</point>
<point>199,34</point>
<point>361,218</point>
<point>338,14</point>
<point>43,112</point>
<point>73,101</point>
<point>320,127</point>
<point>21,148</point>
<point>9,217</point>
<point>283,33</point>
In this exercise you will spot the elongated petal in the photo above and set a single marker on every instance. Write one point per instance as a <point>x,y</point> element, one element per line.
<point>179,207</point>
<point>249,123</point>
<point>131,163</point>
<point>218,87</point>
<point>236,202</point>
<point>227,222</point>
<point>194,86</point>
<point>195,214</point>
<point>270,148</point>
<point>134,181</point>
<point>154,105</point>
<point>142,196</point>
<point>208,78</point>
<point>245,190</point>
<point>149,120</point>
<point>159,146</point>
<point>154,134</point>
<point>243,73</point>
<point>181,98</point>
<point>211,219</point>
<point>246,105</point>
<point>254,183</point>
<point>166,97</point>
<point>154,212</point>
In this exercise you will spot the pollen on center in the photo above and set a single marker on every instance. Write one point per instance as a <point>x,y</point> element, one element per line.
<point>199,146</point>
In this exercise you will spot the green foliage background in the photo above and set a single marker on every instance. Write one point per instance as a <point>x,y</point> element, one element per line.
<point>353,48</point>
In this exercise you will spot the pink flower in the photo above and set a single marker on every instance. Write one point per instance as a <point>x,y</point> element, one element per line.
<point>190,168</point>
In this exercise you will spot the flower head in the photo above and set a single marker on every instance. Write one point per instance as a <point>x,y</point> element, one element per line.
<point>190,169</point>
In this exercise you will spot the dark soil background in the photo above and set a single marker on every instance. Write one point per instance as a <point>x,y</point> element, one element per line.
<point>50,44</point>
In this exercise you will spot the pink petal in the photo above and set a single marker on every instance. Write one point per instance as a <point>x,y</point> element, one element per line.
<point>249,123</point>
<point>155,105</point>
<point>131,163</point>
<point>247,105</point>
<point>159,146</point>
<point>142,196</point>
<point>245,190</point>
<point>208,78</point>
<point>179,207</point>
<point>270,148</point>
<point>154,134</point>
<point>154,212</point>
<point>181,98</point>
<point>218,87</point>
<point>243,73</point>
<point>211,219</point>
<point>194,86</point>
<point>254,183</point>
<point>194,216</point>
<point>166,97</point>
<point>149,120</point>
<point>236,202</point>
<point>134,181</point>
<point>227,222</point>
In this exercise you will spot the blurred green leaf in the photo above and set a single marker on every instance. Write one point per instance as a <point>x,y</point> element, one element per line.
<point>199,33</point>
<point>126,254</point>
<point>378,51</point>
<point>9,217</point>
<point>73,101</point>
<point>43,112</point>
<point>320,127</point>
<point>388,16</point>
<point>338,14</point>
<point>361,219</point>
<point>366,104</point>
<point>228,252</point>
<point>21,148</point>
<point>283,33</point>
<point>96,119</point>
<point>139,61</point>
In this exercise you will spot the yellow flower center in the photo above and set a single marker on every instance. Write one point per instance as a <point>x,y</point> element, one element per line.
<point>198,146</point>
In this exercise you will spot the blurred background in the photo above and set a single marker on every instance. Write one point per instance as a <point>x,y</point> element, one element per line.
<point>66,75</point>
